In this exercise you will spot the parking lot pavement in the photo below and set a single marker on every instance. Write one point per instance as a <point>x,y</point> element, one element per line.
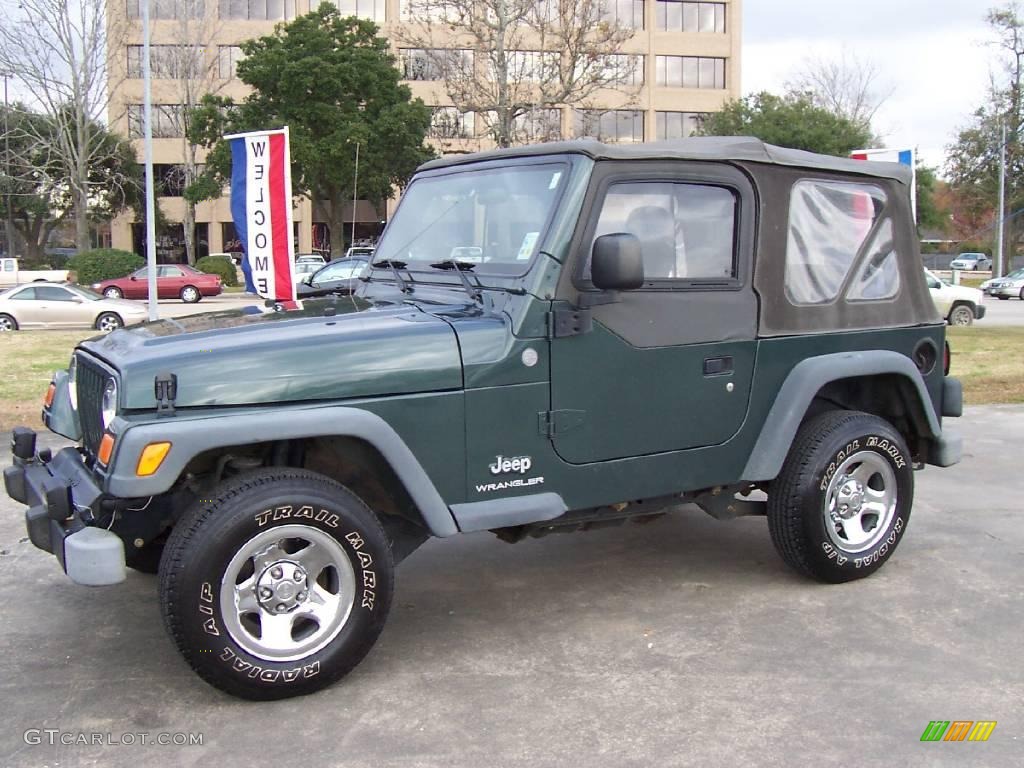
<point>681,642</point>
<point>178,308</point>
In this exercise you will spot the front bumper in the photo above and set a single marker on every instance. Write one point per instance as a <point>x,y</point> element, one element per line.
<point>1010,293</point>
<point>979,311</point>
<point>63,504</point>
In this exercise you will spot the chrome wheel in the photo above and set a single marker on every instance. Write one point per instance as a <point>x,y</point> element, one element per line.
<point>860,502</point>
<point>7,324</point>
<point>189,294</point>
<point>287,592</point>
<point>113,293</point>
<point>108,323</point>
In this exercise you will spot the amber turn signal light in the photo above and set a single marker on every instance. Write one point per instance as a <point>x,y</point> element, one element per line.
<point>50,392</point>
<point>106,449</point>
<point>152,457</point>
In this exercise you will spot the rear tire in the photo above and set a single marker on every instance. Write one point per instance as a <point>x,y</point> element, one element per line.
<point>8,323</point>
<point>842,501</point>
<point>113,292</point>
<point>190,294</point>
<point>277,584</point>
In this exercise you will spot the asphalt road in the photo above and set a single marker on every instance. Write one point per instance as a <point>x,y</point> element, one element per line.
<point>1008,312</point>
<point>682,642</point>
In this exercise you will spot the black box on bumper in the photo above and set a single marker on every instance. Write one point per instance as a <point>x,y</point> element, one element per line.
<point>59,490</point>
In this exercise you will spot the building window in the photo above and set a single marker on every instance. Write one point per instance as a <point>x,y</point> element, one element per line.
<point>449,123</point>
<point>625,13</point>
<point>433,63</point>
<point>676,16</point>
<point>167,62</point>
<point>530,66</point>
<point>170,180</point>
<point>539,125</point>
<point>616,68</point>
<point>257,10</point>
<point>676,125</point>
<point>167,9</point>
<point>228,57</point>
<point>689,72</point>
<point>611,125</point>
<point>364,9</point>
<point>168,122</point>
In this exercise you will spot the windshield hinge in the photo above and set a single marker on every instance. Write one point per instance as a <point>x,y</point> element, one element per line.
<point>551,423</point>
<point>569,322</point>
<point>165,389</point>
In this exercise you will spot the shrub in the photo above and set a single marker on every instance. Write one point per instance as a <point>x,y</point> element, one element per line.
<point>974,246</point>
<point>218,265</point>
<point>103,264</point>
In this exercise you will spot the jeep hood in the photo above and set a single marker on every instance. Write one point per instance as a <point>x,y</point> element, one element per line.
<point>327,350</point>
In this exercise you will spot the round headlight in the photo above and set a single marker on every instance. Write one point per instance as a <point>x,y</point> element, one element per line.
<point>73,383</point>
<point>109,406</point>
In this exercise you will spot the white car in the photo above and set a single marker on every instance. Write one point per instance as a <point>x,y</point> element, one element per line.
<point>1011,285</point>
<point>57,305</point>
<point>958,304</point>
<point>971,261</point>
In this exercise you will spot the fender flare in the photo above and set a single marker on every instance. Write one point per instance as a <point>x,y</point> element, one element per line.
<point>191,436</point>
<point>803,383</point>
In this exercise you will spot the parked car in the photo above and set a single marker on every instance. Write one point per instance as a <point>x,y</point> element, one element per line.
<point>314,258</point>
<point>54,305</point>
<point>971,262</point>
<point>306,268</point>
<point>173,281</point>
<point>11,273</point>
<point>360,250</point>
<point>287,475</point>
<point>1011,285</point>
<point>959,304</point>
<point>340,276</point>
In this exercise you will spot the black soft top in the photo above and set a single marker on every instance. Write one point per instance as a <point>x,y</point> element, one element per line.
<point>729,148</point>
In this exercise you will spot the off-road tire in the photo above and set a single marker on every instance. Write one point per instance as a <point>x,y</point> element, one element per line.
<point>215,533</point>
<point>961,314</point>
<point>798,500</point>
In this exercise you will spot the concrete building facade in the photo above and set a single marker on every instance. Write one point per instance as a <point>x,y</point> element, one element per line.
<point>687,63</point>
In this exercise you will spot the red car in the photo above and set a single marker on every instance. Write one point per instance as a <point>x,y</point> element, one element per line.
<point>173,281</point>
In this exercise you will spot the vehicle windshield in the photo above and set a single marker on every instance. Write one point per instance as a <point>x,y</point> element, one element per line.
<point>493,218</point>
<point>343,269</point>
<point>1016,274</point>
<point>85,293</point>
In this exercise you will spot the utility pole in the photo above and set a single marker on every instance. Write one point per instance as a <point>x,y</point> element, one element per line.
<point>1002,203</point>
<point>9,244</point>
<point>147,134</point>
<point>355,188</point>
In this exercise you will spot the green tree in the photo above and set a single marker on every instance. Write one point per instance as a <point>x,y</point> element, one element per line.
<point>332,81</point>
<point>41,193</point>
<point>972,160</point>
<point>792,121</point>
<point>929,215</point>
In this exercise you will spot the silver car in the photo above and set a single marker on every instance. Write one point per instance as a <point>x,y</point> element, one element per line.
<point>1006,287</point>
<point>971,262</point>
<point>59,305</point>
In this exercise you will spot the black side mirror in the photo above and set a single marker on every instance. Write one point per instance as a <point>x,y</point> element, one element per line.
<point>617,263</point>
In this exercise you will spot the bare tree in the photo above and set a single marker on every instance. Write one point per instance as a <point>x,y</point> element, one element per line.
<point>518,62</point>
<point>847,86</point>
<point>58,49</point>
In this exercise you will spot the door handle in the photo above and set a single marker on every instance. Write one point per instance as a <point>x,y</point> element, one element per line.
<point>718,366</point>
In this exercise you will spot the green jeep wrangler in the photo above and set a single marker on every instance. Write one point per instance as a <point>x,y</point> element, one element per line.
<point>551,338</point>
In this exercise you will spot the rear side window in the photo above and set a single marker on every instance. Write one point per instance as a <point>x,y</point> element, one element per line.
<point>686,231</point>
<point>828,224</point>
<point>879,275</point>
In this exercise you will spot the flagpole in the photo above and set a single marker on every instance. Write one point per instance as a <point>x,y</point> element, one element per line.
<point>147,132</point>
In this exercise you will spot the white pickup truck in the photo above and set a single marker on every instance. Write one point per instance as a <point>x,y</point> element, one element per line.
<point>10,274</point>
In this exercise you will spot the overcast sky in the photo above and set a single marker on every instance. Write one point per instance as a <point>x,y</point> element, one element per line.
<point>931,52</point>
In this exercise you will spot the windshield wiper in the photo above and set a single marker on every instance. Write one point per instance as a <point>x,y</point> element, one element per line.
<point>395,266</point>
<point>461,267</point>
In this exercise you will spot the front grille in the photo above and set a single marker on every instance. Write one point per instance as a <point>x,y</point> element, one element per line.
<point>92,379</point>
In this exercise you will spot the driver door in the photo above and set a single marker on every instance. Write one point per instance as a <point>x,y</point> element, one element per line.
<point>668,366</point>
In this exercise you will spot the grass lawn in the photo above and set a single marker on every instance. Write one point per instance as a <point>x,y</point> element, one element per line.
<point>29,359</point>
<point>990,363</point>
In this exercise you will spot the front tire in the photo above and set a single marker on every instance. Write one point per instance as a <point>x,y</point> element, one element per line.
<point>961,315</point>
<point>109,321</point>
<point>190,294</point>
<point>842,501</point>
<point>8,323</point>
<point>277,585</point>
